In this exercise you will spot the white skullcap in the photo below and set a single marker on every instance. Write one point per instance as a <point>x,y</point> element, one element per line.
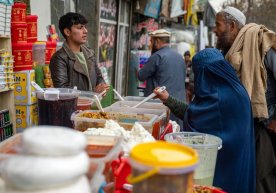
<point>237,14</point>
<point>160,33</point>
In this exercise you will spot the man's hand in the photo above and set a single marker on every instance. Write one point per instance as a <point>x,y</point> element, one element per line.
<point>163,96</point>
<point>101,87</point>
<point>272,126</point>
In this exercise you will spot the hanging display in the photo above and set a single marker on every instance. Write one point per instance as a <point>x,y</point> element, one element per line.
<point>153,8</point>
<point>177,8</point>
<point>106,48</point>
<point>108,9</point>
<point>165,10</point>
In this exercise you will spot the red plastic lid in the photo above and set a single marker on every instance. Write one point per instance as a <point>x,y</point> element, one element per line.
<point>51,44</point>
<point>19,5</point>
<point>31,18</point>
<point>19,46</point>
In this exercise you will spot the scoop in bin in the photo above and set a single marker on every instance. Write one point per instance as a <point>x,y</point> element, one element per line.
<point>51,94</point>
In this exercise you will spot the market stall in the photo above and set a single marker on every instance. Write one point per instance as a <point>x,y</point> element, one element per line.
<point>80,146</point>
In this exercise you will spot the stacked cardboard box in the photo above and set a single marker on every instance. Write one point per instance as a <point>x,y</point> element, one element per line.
<point>25,100</point>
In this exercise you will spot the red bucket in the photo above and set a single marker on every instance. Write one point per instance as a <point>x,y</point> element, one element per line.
<point>18,13</point>
<point>22,53</point>
<point>32,28</point>
<point>50,50</point>
<point>19,32</point>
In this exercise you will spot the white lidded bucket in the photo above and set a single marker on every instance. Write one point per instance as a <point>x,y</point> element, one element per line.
<point>207,147</point>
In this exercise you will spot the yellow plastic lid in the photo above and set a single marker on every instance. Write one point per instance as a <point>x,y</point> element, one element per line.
<point>40,42</point>
<point>164,154</point>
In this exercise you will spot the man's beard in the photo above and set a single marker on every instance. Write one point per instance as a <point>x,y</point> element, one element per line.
<point>153,49</point>
<point>223,42</point>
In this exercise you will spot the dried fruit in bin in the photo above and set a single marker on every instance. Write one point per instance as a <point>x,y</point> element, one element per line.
<point>96,115</point>
<point>206,189</point>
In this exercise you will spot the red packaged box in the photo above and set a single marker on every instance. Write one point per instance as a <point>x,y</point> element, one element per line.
<point>18,13</point>
<point>32,28</point>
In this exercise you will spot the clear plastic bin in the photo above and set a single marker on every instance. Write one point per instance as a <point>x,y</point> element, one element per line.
<point>138,98</point>
<point>56,105</point>
<point>158,127</point>
<point>86,100</point>
<point>102,150</point>
<point>146,105</point>
<point>207,147</point>
<point>124,119</point>
<point>38,53</point>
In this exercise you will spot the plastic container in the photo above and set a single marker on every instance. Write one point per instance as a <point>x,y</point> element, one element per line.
<point>51,47</point>
<point>22,53</point>
<point>32,28</point>
<point>84,103</point>
<point>207,147</point>
<point>2,85</point>
<point>124,119</point>
<point>159,125</point>
<point>56,109</point>
<point>86,100</point>
<point>146,105</point>
<point>102,150</point>
<point>39,53</point>
<point>138,98</point>
<point>18,13</point>
<point>161,167</point>
<point>19,32</point>
<point>207,189</point>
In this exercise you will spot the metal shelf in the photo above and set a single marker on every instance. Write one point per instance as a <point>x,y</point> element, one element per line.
<point>5,90</point>
<point>5,36</point>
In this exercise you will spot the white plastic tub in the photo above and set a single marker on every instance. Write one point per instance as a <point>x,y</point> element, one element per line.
<point>207,147</point>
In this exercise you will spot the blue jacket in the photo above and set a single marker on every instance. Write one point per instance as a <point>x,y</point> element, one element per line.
<point>165,68</point>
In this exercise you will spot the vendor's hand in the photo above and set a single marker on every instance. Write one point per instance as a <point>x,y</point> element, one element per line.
<point>102,87</point>
<point>163,96</point>
<point>272,126</point>
<point>109,188</point>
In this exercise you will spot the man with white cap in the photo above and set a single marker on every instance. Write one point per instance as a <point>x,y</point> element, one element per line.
<point>251,50</point>
<point>165,67</point>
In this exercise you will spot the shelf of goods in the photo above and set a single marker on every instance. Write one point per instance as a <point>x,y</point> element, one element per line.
<point>6,90</point>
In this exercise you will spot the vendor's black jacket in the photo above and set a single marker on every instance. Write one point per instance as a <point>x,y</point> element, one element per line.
<point>67,71</point>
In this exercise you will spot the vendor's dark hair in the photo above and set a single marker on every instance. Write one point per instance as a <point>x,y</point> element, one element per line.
<point>70,19</point>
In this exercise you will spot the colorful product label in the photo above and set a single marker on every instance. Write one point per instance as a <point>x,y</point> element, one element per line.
<point>24,92</point>
<point>22,57</point>
<point>18,15</point>
<point>26,116</point>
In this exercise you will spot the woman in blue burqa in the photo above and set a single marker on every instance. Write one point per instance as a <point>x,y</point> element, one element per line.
<point>221,107</point>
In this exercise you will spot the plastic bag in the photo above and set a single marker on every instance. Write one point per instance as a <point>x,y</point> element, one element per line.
<point>165,10</point>
<point>177,8</point>
<point>153,8</point>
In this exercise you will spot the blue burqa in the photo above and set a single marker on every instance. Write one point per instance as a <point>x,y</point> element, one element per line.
<point>221,107</point>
